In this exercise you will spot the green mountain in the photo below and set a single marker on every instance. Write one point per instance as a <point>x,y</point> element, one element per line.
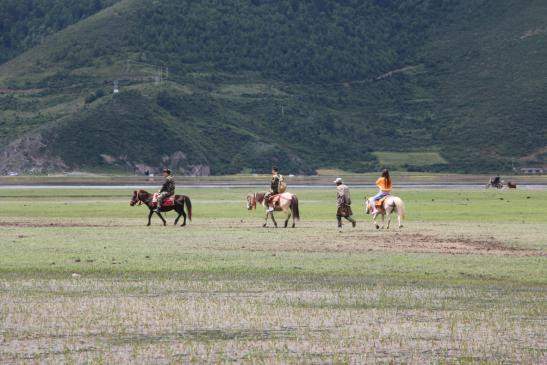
<point>25,23</point>
<point>224,87</point>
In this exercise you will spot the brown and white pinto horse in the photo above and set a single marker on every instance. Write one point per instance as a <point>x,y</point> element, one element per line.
<point>288,203</point>
<point>146,198</point>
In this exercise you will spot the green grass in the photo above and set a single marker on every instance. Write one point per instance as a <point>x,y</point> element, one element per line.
<point>82,279</point>
<point>400,159</point>
<point>522,206</point>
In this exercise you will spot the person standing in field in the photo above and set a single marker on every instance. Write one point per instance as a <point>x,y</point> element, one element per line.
<point>384,185</point>
<point>167,189</point>
<point>343,203</point>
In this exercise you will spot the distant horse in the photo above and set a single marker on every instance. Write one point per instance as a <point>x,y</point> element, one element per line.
<point>288,203</point>
<point>511,185</point>
<point>389,205</point>
<point>146,198</point>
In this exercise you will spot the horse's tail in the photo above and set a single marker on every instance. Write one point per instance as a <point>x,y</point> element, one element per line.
<point>188,206</point>
<point>294,207</point>
<point>400,207</point>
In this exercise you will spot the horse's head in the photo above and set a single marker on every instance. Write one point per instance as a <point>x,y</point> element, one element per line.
<point>368,207</point>
<point>251,201</point>
<point>135,199</point>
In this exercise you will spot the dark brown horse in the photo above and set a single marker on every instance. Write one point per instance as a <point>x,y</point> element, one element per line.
<point>146,198</point>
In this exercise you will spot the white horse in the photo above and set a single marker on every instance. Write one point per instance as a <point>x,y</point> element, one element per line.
<point>288,203</point>
<point>390,204</point>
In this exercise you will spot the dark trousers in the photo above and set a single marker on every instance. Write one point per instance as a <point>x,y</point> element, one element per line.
<point>339,219</point>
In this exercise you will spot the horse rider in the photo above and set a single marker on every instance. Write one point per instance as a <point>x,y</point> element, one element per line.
<point>167,189</point>
<point>384,185</point>
<point>343,203</point>
<point>275,183</point>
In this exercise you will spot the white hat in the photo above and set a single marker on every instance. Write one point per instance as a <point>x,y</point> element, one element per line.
<point>338,180</point>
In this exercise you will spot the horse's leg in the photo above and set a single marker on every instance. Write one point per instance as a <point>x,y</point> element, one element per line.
<point>388,218</point>
<point>383,220</point>
<point>289,214</point>
<point>273,220</point>
<point>150,217</point>
<point>266,220</point>
<point>374,220</point>
<point>180,210</point>
<point>183,216</point>
<point>178,216</point>
<point>162,219</point>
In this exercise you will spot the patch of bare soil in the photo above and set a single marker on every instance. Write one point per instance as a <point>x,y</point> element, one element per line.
<point>419,242</point>
<point>533,32</point>
<point>399,242</point>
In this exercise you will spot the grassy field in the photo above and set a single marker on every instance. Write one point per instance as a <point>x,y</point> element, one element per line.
<point>400,159</point>
<point>82,279</point>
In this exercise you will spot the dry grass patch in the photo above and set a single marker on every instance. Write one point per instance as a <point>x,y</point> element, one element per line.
<point>216,320</point>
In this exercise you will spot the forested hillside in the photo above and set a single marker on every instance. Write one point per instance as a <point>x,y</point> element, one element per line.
<point>25,23</point>
<point>218,87</point>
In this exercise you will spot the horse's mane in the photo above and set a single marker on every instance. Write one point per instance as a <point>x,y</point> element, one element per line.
<point>260,197</point>
<point>143,192</point>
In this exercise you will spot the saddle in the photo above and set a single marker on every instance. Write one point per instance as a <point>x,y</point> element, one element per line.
<point>167,202</point>
<point>274,200</point>
<point>380,202</point>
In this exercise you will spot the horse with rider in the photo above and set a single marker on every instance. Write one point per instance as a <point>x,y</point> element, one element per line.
<point>495,182</point>
<point>164,200</point>
<point>276,200</point>
<point>383,203</point>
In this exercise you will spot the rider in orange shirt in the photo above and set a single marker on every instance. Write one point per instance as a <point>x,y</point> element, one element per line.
<point>385,185</point>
